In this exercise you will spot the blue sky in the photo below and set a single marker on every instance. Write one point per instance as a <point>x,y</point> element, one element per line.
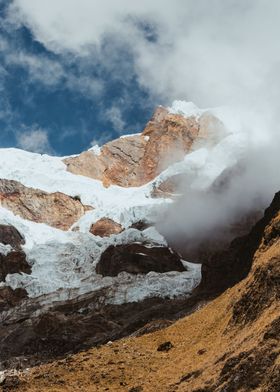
<point>54,104</point>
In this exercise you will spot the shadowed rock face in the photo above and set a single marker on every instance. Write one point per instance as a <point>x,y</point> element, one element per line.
<point>10,236</point>
<point>12,262</point>
<point>105,227</point>
<point>10,298</point>
<point>54,209</point>
<point>138,259</point>
<point>15,260</point>
<point>136,160</point>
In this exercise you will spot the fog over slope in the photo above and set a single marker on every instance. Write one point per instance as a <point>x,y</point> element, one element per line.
<point>218,53</point>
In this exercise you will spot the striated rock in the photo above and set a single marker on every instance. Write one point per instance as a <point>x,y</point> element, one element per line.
<point>136,160</point>
<point>105,227</point>
<point>138,259</point>
<point>81,323</point>
<point>54,209</point>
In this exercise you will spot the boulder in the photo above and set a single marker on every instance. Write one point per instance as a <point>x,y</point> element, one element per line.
<point>105,227</point>
<point>10,236</point>
<point>138,259</point>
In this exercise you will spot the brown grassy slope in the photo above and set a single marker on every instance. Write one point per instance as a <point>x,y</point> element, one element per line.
<point>231,345</point>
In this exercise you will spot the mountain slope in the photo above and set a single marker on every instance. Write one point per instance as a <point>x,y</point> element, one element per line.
<point>232,344</point>
<point>83,262</point>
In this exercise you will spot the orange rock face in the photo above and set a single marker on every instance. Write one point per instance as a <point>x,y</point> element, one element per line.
<point>137,159</point>
<point>54,209</point>
<point>105,227</point>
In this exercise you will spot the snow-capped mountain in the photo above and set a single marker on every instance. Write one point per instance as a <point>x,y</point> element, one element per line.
<point>84,226</point>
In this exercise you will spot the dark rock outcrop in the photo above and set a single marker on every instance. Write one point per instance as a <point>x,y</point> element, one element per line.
<point>10,236</point>
<point>12,262</point>
<point>10,298</point>
<point>79,324</point>
<point>138,259</point>
<point>15,260</point>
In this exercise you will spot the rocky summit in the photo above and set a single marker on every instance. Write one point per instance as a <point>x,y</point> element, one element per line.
<point>96,296</point>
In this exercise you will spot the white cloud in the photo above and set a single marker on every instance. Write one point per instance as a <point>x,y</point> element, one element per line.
<point>34,140</point>
<point>72,25</point>
<point>211,52</point>
<point>50,72</point>
<point>86,85</point>
<point>114,116</point>
<point>40,68</point>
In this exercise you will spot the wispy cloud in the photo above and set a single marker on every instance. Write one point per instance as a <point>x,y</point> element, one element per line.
<point>34,140</point>
<point>114,116</point>
<point>40,68</point>
<point>101,139</point>
<point>214,52</point>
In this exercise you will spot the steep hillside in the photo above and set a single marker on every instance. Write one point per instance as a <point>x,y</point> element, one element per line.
<point>231,344</point>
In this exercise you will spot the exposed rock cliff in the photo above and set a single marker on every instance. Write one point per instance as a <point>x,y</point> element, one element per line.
<point>136,160</point>
<point>105,227</point>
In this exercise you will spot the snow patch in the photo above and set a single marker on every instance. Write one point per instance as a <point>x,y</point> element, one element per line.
<point>95,149</point>
<point>186,109</point>
<point>5,249</point>
<point>130,135</point>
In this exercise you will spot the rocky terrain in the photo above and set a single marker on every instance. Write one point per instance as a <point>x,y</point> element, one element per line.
<point>91,291</point>
<point>138,159</point>
<point>231,344</point>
